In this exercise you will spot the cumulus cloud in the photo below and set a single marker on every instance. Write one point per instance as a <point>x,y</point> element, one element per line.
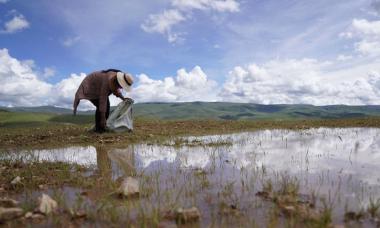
<point>163,22</point>
<point>368,35</point>
<point>344,57</point>
<point>20,85</point>
<point>16,24</point>
<point>290,81</point>
<point>48,72</point>
<point>305,81</point>
<point>185,86</point>
<point>218,5</point>
<point>65,90</point>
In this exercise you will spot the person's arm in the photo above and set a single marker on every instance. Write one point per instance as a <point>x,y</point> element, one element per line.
<point>118,94</point>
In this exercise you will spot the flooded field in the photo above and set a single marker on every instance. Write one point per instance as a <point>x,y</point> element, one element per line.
<point>315,178</point>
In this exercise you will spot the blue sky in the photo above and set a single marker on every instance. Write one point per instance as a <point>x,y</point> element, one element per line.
<point>261,51</point>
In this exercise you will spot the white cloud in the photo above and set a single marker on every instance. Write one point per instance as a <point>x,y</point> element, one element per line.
<point>48,72</point>
<point>19,85</point>
<point>364,27</point>
<point>186,86</point>
<point>163,22</point>
<point>70,41</point>
<point>218,5</point>
<point>368,35</point>
<point>289,81</point>
<point>344,57</point>
<point>16,24</point>
<point>305,81</point>
<point>3,1</point>
<point>66,90</point>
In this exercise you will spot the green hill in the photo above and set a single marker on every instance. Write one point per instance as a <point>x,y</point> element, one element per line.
<point>236,111</point>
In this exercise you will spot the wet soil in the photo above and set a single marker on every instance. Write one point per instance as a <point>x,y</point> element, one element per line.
<point>154,131</point>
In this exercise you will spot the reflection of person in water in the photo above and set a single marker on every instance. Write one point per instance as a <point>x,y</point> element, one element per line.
<point>115,162</point>
<point>103,162</point>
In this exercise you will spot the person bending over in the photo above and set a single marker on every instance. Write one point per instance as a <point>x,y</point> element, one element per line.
<point>96,87</point>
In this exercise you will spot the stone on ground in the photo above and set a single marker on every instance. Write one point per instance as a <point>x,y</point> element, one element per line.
<point>188,215</point>
<point>46,205</point>
<point>129,187</point>
<point>16,180</point>
<point>7,202</point>
<point>7,214</point>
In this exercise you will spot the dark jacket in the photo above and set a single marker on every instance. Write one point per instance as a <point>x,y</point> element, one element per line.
<point>97,85</point>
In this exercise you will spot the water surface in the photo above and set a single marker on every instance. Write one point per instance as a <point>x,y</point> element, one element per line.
<point>340,165</point>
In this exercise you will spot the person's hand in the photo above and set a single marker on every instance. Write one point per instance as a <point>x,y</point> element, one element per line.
<point>129,99</point>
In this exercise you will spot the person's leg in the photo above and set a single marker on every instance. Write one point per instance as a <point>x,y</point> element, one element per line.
<point>108,108</point>
<point>97,114</point>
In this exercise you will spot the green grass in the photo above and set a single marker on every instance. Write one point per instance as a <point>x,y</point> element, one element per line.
<point>26,119</point>
<point>14,119</point>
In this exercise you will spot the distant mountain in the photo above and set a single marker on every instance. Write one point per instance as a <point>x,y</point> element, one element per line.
<point>235,111</point>
<point>227,111</point>
<point>43,109</point>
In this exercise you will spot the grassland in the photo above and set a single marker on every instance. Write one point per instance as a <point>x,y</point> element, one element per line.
<point>240,111</point>
<point>47,129</point>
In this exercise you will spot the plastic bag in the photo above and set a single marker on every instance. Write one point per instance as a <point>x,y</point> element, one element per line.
<point>121,119</point>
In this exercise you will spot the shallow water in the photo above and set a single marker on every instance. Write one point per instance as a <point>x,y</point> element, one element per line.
<point>340,165</point>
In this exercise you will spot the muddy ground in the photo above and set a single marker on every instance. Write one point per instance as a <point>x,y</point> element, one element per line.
<point>56,135</point>
<point>86,197</point>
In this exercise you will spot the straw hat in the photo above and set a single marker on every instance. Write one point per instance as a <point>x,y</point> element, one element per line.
<point>125,80</point>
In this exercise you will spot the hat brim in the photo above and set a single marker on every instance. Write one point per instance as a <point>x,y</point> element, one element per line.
<point>122,82</point>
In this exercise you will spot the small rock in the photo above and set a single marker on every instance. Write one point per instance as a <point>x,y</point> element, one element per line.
<point>6,202</point>
<point>129,187</point>
<point>42,187</point>
<point>46,204</point>
<point>289,210</point>
<point>7,214</point>
<point>28,215</point>
<point>79,214</point>
<point>16,180</point>
<point>37,216</point>
<point>188,215</point>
